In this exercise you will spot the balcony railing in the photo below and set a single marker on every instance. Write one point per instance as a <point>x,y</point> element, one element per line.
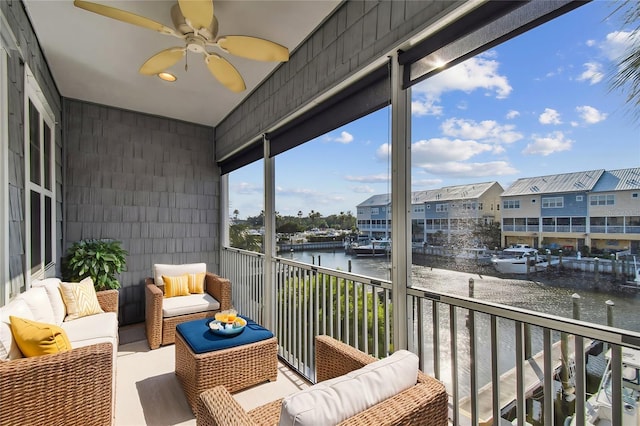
<point>470,345</point>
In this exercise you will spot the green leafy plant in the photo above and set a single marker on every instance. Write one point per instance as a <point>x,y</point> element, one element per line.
<point>101,260</point>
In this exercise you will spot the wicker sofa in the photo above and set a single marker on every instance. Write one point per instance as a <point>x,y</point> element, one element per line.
<point>75,387</point>
<point>161,321</point>
<point>425,403</point>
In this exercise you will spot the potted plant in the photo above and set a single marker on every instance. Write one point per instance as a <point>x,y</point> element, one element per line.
<point>101,260</point>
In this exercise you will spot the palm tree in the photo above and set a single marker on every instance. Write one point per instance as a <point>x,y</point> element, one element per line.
<point>627,74</point>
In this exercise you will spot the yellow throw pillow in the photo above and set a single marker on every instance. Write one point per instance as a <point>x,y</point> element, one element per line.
<point>196,283</point>
<point>80,299</point>
<point>176,286</point>
<point>36,338</point>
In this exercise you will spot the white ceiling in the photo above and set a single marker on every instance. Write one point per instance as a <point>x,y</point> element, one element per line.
<point>96,59</point>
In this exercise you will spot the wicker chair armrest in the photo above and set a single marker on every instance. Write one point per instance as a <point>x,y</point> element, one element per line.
<point>153,313</point>
<point>220,289</point>
<point>423,404</point>
<point>216,407</point>
<point>108,300</point>
<point>334,358</point>
<point>53,389</point>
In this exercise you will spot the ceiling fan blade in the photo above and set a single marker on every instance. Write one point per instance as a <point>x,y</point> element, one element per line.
<point>225,73</point>
<point>162,61</point>
<point>254,48</point>
<point>124,16</point>
<point>198,12</point>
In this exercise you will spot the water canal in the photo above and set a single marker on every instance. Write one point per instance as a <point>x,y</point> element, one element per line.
<point>539,293</point>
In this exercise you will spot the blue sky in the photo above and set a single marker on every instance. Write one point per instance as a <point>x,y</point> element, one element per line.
<point>536,105</point>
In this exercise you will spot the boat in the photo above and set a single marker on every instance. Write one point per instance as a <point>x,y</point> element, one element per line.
<point>598,406</point>
<point>380,247</point>
<point>477,255</point>
<point>513,260</point>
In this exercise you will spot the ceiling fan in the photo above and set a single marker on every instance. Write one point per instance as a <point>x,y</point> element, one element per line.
<point>197,26</point>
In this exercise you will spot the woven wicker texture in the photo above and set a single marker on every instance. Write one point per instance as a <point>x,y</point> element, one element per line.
<point>426,403</point>
<point>69,388</point>
<point>162,331</point>
<point>234,368</point>
<point>108,300</point>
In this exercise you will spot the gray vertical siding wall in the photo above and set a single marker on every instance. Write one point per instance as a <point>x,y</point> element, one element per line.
<point>29,52</point>
<point>355,35</point>
<point>150,182</point>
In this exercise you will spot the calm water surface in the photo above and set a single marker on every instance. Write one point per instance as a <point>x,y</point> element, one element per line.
<point>551,298</point>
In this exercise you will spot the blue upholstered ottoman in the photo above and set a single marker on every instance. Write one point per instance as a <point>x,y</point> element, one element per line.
<point>205,360</point>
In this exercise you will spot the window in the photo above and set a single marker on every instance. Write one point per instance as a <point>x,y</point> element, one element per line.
<point>602,200</point>
<point>511,204</point>
<point>634,195</point>
<point>428,206</point>
<point>39,176</point>
<point>442,207</point>
<point>579,198</point>
<point>552,202</point>
<point>533,201</point>
<point>375,210</point>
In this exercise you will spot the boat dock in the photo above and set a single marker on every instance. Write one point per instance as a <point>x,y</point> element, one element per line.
<point>533,377</point>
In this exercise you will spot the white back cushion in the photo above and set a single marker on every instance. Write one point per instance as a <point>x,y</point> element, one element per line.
<point>52,286</point>
<point>176,270</point>
<point>8,347</point>
<point>335,400</point>
<point>39,303</point>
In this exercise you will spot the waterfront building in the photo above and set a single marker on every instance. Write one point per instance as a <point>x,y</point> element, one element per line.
<point>595,208</point>
<point>450,214</point>
<point>374,216</point>
<point>438,216</point>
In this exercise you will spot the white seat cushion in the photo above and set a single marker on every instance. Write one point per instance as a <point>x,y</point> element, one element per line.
<point>160,269</point>
<point>182,305</point>
<point>333,401</point>
<point>91,327</point>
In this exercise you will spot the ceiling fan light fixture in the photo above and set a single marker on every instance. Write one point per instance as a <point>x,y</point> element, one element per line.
<point>167,76</point>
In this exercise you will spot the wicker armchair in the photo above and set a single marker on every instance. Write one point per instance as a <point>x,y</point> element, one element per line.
<point>426,403</point>
<point>69,388</point>
<point>162,331</point>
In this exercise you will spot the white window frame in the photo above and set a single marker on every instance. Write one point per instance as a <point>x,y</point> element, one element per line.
<point>442,207</point>
<point>579,198</point>
<point>8,46</point>
<point>552,202</point>
<point>602,200</point>
<point>375,210</point>
<point>510,204</point>
<point>5,291</point>
<point>33,93</point>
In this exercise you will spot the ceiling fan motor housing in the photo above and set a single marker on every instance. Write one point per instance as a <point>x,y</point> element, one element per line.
<point>180,23</point>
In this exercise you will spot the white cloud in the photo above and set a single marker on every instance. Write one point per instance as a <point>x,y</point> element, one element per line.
<point>512,114</point>
<point>369,178</point>
<point>546,145</point>
<point>550,116</point>
<point>246,188</point>
<point>438,150</point>
<point>487,130</point>
<point>478,73</point>
<point>593,73</point>
<point>590,115</point>
<point>362,189</point>
<point>617,43</point>
<point>590,43</point>
<point>425,183</point>
<point>471,170</point>
<point>345,137</point>
<point>424,107</point>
